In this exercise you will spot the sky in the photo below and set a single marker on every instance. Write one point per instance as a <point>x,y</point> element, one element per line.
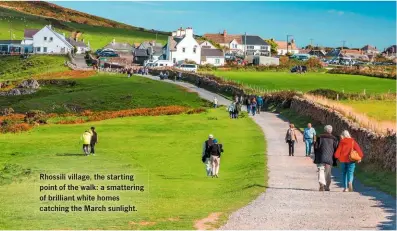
<point>322,23</point>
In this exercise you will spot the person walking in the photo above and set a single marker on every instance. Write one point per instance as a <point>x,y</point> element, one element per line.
<point>237,110</point>
<point>348,159</point>
<point>231,110</point>
<point>86,138</point>
<point>253,105</point>
<point>94,140</point>
<point>215,102</point>
<point>248,103</point>
<point>324,150</point>
<point>259,101</point>
<point>205,157</point>
<point>309,137</point>
<point>215,152</point>
<point>290,139</point>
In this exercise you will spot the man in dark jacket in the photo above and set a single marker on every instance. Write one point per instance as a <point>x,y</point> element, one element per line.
<point>325,148</point>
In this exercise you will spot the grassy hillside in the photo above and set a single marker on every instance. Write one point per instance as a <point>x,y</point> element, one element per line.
<point>103,93</point>
<point>98,31</point>
<point>154,149</point>
<point>14,67</point>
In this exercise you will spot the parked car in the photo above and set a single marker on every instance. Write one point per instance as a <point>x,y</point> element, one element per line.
<point>188,67</point>
<point>296,69</point>
<point>108,54</point>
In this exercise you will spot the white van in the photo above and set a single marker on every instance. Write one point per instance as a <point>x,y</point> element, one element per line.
<point>163,63</point>
<point>188,67</point>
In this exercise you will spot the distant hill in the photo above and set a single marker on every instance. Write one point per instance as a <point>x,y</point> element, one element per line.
<point>17,16</point>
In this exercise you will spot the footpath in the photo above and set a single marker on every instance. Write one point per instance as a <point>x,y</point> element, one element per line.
<point>292,199</point>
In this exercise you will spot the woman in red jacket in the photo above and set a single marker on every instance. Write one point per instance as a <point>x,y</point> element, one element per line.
<point>342,154</point>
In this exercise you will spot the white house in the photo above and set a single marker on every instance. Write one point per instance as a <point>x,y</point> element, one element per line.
<point>182,46</point>
<point>255,45</point>
<point>212,56</point>
<point>233,42</point>
<point>47,41</point>
<point>282,47</point>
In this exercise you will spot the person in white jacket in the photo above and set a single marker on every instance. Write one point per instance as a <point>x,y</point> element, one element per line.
<point>215,102</point>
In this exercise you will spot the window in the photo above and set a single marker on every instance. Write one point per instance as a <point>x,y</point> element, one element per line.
<point>194,50</point>
<point>44,49</point>
<point>45,38</point>
<point>183,50</point>
<point>263,47</point>
<point>37,49</point>
<point>174,60</point>
<point>51,38</point>
<point>250,47</point>
<point>217,61</point>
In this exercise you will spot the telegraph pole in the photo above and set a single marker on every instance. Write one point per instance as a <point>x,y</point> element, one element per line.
<point>311,43</point>
<point>343,44</point>
<point>288,35</point>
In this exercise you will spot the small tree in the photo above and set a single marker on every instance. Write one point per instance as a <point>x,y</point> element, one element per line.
<point>273,46</point>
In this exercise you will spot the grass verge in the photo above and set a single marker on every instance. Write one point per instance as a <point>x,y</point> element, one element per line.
<point>164,152</point>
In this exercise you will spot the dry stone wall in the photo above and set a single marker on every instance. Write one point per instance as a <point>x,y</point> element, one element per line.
<point>378,149</point>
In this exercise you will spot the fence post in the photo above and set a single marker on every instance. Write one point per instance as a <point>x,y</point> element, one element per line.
<point>337,97</point>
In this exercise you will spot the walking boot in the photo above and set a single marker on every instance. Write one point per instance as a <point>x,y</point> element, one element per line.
<point>321,187</point>
<point>350,186</point>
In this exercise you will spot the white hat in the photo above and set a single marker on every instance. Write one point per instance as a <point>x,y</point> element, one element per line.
<point>210,136</point>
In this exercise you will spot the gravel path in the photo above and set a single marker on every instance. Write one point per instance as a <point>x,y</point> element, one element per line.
<point>292,199</point>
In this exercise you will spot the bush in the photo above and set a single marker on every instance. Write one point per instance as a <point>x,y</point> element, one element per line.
<point>7,111</point>
<point>14,128</point>
<point>36,116</point>
<point>388,72</point>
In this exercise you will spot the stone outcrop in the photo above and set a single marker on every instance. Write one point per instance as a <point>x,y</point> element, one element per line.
<point>26,87</point>
<point>29,83</point>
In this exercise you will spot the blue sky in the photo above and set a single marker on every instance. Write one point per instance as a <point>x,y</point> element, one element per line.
<point>327,23</point>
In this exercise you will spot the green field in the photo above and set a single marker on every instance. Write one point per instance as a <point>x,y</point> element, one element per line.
<point>97,36</point>
<point>310,81</point>
<point>164,152</point>
<point>380,110</point>
<point>103,93</point>
<point>14,67</point>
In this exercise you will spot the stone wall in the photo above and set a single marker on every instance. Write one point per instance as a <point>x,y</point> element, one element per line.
<point>378,149</point>
<point>208,82</point>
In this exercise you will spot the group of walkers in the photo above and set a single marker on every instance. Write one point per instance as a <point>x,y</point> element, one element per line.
<point>253,103</point>
<point>328,149</point>
<point>90,139</point>
<point>211,156</point>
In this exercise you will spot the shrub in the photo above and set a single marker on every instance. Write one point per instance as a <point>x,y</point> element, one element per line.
<point>14,128</point>
<point>36,116</point>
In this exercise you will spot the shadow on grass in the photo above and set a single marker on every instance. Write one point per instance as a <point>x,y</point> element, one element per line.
<point>69,154</point>
<point>385,201</point>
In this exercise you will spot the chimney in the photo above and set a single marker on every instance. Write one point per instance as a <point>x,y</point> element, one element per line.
<point>173,34</point>
<point>178,32</point>
<point>224,33</point>
<point>183,32</point>
<point>189,32</point>
<point>50,26</point>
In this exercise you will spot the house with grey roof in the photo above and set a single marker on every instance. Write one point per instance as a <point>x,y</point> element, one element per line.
<point>255,45</point>
<point>119,47</point>
<point>48,41</point>
<point>211,56</point>
<point>80,46</point>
